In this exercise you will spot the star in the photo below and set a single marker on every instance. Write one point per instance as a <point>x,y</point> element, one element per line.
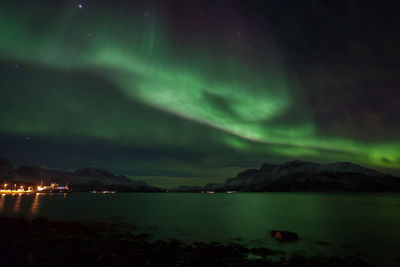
<point>80,6</point>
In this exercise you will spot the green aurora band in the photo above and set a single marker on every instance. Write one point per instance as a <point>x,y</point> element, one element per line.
<point>239,99</point>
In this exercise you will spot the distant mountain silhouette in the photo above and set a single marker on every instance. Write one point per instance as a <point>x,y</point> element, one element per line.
<point>103,175</point>
<point>6,169</point>
<point>308,176</point>
<point>290,176</point>
<point>86,179</point>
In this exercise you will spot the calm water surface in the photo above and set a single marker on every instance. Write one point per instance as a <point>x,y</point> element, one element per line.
<point>364,224</point>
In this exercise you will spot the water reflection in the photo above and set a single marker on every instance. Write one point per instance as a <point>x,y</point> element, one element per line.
<point>370,218</point>
<point>2,200</point>
<point>35,205</point>
<point>17,203</point>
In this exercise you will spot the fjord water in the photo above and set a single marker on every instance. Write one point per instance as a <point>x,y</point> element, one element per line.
<point>362,224</point>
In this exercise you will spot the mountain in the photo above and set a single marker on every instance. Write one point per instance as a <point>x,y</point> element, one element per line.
<point>308,176</point>
<point>102,175</point>
<point>86,179</point>
<point>6,169</point>
<point>290,176</point>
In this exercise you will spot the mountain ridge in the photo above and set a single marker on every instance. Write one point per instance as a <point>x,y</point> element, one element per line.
<point>294,175</point>
<point>300,175</point>
<point>85,179</point>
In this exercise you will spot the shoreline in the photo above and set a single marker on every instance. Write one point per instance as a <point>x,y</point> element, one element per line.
<point>39,241</point>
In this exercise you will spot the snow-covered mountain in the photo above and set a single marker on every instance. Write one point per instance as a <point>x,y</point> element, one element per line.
<point>308,176</point>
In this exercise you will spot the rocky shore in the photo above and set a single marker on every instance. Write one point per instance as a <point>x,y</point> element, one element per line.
<point>40,242</point>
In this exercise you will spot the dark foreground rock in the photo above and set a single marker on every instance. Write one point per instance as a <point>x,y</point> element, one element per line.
<point>40,242</point>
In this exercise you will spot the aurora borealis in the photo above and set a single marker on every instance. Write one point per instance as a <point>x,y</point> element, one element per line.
<point>198,90</point>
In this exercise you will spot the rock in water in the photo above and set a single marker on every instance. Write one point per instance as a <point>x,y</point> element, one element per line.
<point>284,235</point>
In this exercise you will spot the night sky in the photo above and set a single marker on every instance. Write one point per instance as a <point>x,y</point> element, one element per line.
<point>191,92</point>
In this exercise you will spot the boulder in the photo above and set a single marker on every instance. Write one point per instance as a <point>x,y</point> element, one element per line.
<point>284,236</point>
